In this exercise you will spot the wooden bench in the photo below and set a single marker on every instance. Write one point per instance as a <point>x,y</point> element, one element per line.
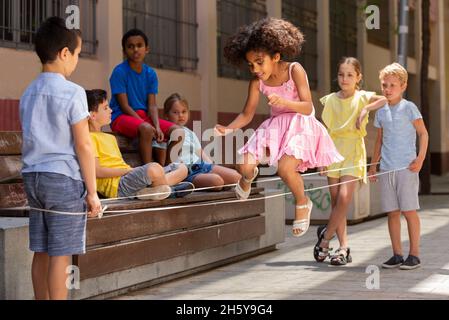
<point>126,241</point>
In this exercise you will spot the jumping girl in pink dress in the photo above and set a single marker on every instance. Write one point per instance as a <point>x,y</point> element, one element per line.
<point>292,138</point>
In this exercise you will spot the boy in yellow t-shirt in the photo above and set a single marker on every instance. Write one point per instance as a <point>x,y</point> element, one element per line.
<point>115,178</point>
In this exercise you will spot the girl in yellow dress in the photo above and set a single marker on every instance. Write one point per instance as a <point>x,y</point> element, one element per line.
<point>345,115</point>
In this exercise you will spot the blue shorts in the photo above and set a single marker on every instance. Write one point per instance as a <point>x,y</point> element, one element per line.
<point>197,169</point>
<point>56,234</point>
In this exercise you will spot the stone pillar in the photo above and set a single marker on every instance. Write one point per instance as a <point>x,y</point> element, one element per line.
<point>324,52</point>
<point>207,66</point>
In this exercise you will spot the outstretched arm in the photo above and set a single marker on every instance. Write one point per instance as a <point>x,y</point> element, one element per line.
<point>305,105</point>
<point>247,115</point>
<point>376,102</point>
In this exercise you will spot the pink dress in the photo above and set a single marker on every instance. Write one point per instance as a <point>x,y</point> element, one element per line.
<point>290,133</point>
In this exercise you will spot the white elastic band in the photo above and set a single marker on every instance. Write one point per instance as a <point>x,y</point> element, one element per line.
<point>203,204</point>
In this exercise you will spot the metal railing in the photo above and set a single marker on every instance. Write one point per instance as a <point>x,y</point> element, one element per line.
<point>20,20</point>
<point>171,27</point>
<point>303,14</point>
<point>233,14</point>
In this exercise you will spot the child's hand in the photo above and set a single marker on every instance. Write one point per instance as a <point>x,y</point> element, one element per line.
<point>274,100</point>
<point>416,165</point>
<point>159,135</point>
<point>361,118</point>
<point>93,205</point>
<point>372,174</point>
<point>322,171</point>
<point>222,130</point>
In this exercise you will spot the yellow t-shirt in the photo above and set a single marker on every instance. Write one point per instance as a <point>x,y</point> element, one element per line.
<point>340,117</point>
<point>108,153</point>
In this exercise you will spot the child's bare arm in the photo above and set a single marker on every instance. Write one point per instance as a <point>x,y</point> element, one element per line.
<point>376,155</point>
<point>153,112</point>
<point>103,172</point>
<point>83,149</point>
<point>122,99</point>
<point>305,105</point>
<point>247,115</point>
<point>376,102</point>
<point>423,137</point>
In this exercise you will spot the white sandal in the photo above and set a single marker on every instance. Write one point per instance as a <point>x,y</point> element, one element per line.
<point>303,225</point>
<point>154,193</point>
<point>242,194</point>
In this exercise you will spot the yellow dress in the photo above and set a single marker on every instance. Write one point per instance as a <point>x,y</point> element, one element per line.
<point>340,117</point>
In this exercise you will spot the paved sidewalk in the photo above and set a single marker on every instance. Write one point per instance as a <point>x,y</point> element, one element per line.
<point>291,272</point>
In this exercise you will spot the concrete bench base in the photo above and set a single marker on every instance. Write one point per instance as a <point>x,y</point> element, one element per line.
<point>15,260</point>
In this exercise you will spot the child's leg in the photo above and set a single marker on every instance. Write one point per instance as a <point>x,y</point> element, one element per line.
<point>146,135</point>
<point>178,175</point>
<point>206,180</point>
<point>394,227</point>
<point>133,127</point>
<point>156,175</point>
<point>229,176</point>
<point>57,277</point>
<point>160,155</point>
<point>39,275</point>
<point>337,220</point>
<point>414,231</point>
<point>246,169</point>
<point>288,172</point>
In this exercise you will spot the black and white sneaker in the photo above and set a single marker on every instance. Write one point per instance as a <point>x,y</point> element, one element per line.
<point>411,263</point>
<point>394,262</point>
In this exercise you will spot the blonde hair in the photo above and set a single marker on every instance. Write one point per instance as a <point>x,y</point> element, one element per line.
<point>396,70</point>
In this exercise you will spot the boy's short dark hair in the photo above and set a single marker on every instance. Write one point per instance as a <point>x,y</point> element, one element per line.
<point>95,98</point>
<point>52,37</point>
<point>134,33</point>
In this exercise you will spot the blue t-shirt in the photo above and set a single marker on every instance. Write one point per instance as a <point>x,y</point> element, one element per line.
<point>48,109</point>
<point>399,134</point>
<point>137,87</point>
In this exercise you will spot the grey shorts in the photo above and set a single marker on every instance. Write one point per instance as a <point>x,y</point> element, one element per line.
<point>399,191</point>
<point>138,179</point>
<point>52,233</point>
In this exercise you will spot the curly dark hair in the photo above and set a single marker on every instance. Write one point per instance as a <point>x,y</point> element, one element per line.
<point>269,35</point>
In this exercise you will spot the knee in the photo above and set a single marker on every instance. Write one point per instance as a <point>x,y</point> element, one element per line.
<point>394,215</point>
<point>284,173</point>
<point>344,200</point>
<point>217,182</point>
<point>145,131</point>
<point>155,171</point>
<point>177,134</point>
<point>182,168</point>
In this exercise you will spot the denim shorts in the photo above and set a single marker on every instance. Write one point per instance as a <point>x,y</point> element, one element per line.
<point>197,169</point>
<point>52,233</point>
<point>138,179</point>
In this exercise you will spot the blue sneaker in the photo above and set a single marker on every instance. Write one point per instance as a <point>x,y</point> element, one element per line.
<point>181,190</point>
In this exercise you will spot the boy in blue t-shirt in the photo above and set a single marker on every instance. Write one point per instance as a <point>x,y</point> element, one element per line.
<point>57,156</point>
<point>134,87</point>
<point>398,122</point>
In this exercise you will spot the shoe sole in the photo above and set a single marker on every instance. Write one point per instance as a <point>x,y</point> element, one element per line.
<point>154,193</point>
<point>388,266</point>
<point>409,267</point>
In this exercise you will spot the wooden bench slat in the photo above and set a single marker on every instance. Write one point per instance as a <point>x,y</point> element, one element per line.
<point>12,195</point>
<point>10,143</point>
<point>10,168</point>
<point>134,225</point>
<point>101,261</point>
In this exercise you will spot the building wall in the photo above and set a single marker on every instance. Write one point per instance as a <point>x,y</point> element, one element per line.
<point>215,99</point>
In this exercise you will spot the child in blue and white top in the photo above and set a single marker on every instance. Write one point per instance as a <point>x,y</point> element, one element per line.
<point>202,172</point>
<point>58,162</point>
<point>398,122</point>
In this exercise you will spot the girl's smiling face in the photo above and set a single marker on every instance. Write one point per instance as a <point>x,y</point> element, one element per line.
<point>262,64</point>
